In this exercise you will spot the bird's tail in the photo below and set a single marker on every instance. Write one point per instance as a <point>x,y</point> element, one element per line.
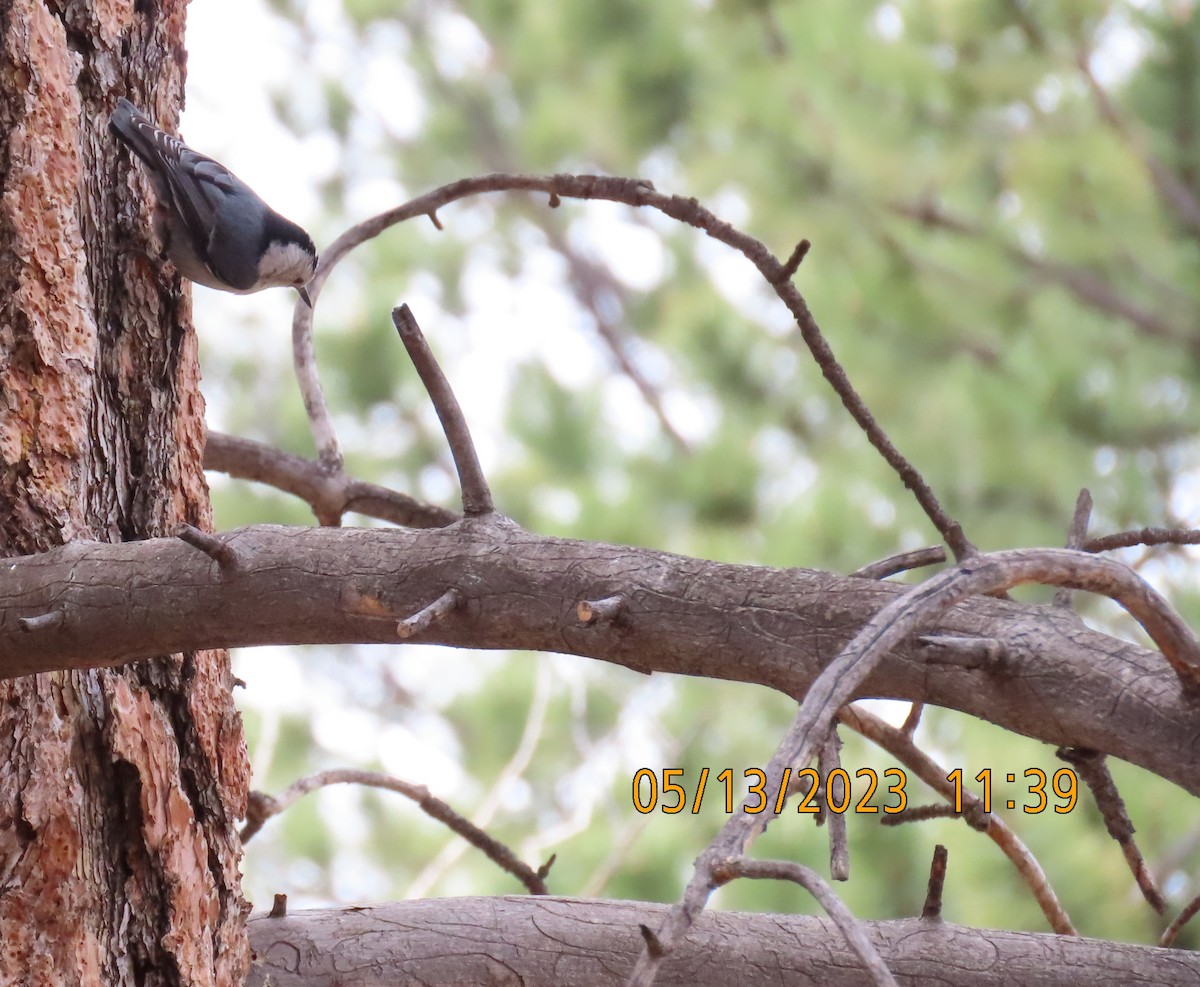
<point>138,132</point>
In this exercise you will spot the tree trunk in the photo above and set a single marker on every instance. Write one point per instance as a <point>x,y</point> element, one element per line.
<point>119,788</point>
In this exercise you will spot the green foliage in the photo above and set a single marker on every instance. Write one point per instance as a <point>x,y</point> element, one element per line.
<point>991,262</point>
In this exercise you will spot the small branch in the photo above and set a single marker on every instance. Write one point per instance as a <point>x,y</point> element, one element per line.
<point>304,360</point>
<point>829,758</point>
<point>903,562</point>
<point>1182,919</point>
<point>265,807</point>
<point>792,264</point>
<point>1143,536</point>
<point>1076,538</point>
<point>330,495</point>
<point>1080,520</point>
<point>603,611</point>
<point>42,622</point>
<point>424,618</point>
<point>211,545</point>
<point>278,907</point>
<point>950,530</point>
<point>838,681</point>
<point>937,880</point>
<point>848,925</point>
<point>476,497</point>
<point>1092,767</point>
<point>913,720</point>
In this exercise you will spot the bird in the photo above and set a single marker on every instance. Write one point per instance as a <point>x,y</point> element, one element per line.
<point>212,225</point>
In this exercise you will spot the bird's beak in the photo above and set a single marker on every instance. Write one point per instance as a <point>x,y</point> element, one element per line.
<point>302,291</point>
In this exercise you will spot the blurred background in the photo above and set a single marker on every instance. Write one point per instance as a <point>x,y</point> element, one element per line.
<point>1003,259</point>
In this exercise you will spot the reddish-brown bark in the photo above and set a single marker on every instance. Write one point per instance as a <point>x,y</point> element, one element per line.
<point>119,789</point>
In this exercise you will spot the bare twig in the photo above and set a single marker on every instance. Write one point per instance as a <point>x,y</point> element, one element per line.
<point>1143,536</point>
<point>278,907</point>
<point>792,264</point>
<point>1092,767</point>
<point>903,562</point>
<point>937,880</point>
<point>786,870</point>
<point>912,720</point>
<point>1078,570</point>
<point>211,545</point>
<point>425,617</point>
<point>829,758</point>
<point>902,748</point>
<point>1076,537</point>
<point>330,495</point>
<point>476,496</point>
<point>304,359</point>
<point>1182,919</point>
<point>263,807</point>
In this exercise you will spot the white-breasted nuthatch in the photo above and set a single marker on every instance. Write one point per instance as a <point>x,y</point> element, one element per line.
<point>213,226</point>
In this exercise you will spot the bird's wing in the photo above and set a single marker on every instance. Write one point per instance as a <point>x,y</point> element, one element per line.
<point>194,183</point>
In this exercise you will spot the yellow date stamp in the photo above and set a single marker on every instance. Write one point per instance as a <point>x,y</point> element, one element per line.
<point>667,790</point>
<point>664,790</point>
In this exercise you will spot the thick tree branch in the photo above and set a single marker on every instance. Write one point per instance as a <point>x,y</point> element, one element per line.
<point>774,627</point>
<point>550,941</point>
